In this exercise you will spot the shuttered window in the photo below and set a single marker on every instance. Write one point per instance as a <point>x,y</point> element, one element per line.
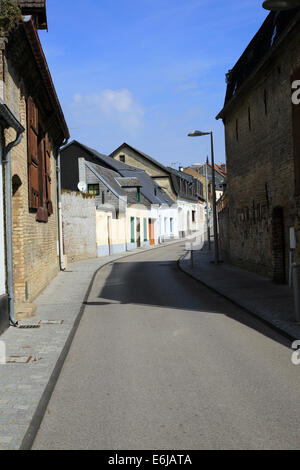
<point>33,158</point>
<point>39,165</point>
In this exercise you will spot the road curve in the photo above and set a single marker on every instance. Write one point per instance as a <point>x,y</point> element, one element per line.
<point>161,362</point>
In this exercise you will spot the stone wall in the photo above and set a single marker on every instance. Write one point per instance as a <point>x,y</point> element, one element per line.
<point>260,165</point>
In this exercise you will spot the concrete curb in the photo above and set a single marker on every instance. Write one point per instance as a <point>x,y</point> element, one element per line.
<point>39,414</point>
<point>234,302</point>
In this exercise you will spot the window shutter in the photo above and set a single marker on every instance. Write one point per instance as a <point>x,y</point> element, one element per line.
<point>296,136</point>
<point>48,175</point>
<point>33,160</point>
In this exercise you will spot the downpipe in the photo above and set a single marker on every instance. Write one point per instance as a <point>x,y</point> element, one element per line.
<point>59,211</point>
<point>9,237</point>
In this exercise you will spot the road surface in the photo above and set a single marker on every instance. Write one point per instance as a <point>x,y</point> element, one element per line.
<point>161,362</point>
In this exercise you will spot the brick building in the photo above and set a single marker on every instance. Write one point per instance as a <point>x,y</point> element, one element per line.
<point>28,92</point>
<point>263,148</point>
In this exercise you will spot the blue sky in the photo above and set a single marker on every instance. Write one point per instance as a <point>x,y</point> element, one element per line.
<point>147,71</point>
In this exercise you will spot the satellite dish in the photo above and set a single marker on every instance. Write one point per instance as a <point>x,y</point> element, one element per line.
<point>82,186</point>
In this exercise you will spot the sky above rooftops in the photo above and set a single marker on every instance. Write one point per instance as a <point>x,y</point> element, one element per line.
<point>146,72</point>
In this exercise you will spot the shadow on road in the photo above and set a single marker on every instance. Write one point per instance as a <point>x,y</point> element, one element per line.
<point>163,285</point>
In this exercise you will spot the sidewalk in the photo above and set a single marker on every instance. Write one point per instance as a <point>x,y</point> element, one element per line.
<point>272,303</point>
<point>39,353</point>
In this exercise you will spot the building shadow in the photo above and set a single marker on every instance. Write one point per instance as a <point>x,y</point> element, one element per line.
<point>163,285</point>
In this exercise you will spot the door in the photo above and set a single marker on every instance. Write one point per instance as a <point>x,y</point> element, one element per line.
<point>151,232</point>
<point>278,245</point>
<point>138,232</point>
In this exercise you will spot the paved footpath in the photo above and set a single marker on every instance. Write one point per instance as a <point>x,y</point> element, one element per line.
<point>161,362</point>
<point>271,302</point>
<point>25,387</point>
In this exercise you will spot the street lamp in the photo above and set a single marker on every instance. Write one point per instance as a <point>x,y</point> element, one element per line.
<point>279,5</point>
<point>216,239</point>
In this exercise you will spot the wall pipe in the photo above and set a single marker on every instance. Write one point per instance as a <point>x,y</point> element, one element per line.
<point>8,211</point>
<point>59,207</point>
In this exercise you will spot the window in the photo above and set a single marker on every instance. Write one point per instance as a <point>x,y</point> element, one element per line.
<point>39,165</point>
<point>266,102</point>
<point>122,158</point>
<point>145,231</point>
<point>193,216</point>
<point>171,225</point>
<point>237,129</point>
<point>93,189</point>
<point>132,229</point>
<point>249,118</point>
<point>138,194</point>
<point>103,197</point>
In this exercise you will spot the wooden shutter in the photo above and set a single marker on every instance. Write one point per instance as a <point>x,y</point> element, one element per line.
<point>296,136</point>
<point>33,159</point>
<point>48,175</point>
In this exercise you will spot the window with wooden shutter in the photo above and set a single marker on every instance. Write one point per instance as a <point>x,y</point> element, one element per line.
<point>296,136</point>
<point>48,175</point>
<point>33,157</point>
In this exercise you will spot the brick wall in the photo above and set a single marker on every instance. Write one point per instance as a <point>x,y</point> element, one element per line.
<point>35,252</point>
<point>260,163</point>
<point>79,226</point>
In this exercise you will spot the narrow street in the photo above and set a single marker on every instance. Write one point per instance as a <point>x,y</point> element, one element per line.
<point>161,362</point>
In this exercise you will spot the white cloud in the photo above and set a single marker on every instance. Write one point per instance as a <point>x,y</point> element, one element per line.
<point>117,106</point>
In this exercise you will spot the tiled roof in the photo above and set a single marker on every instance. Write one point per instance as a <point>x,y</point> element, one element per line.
<point>31,3</point>
<point>37,8</point>
<point>275,28</point>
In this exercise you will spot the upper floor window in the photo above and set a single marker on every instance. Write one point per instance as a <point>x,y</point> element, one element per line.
<point>94,189</point>
<point>39,164</point>
<point>122,158</point>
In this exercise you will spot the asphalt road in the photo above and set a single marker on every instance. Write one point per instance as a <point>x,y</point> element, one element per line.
<point>161,362</point>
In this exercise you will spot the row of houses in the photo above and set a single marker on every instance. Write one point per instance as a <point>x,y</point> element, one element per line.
<point>137,201</point>
<point>259,213</point>
<point>62,202</point>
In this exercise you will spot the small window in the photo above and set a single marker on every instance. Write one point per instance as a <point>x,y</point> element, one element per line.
<point>138,194</point>
<point>249,118</point>
<point>237,129</point>
<point>122,158</point>
<point>193,216</point>
<point>266,102</point>
<point>93,189</point>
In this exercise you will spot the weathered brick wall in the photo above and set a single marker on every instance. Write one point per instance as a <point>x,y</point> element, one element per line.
<point>35,252</point>
<point>79,225</point>
<point>260,166</point>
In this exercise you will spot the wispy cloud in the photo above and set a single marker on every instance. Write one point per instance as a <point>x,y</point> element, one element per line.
<point>118,107</point>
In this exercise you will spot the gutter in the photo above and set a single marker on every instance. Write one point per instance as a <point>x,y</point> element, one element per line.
<point>8,120</point>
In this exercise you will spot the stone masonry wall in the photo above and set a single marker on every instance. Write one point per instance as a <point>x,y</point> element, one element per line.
<point>260,163</point>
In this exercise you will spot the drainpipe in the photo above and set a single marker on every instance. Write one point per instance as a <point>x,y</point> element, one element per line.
<point>59,206</point>
<point>8,210</point>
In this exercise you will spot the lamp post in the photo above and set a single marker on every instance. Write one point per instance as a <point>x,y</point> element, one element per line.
<point>280,5</point>
<point>216,238</point>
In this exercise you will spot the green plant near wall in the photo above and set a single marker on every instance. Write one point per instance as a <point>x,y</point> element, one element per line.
<point>10,15</point>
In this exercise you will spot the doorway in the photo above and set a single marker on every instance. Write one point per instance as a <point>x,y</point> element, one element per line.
<point>138,232</point>
<point>278,246</point>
